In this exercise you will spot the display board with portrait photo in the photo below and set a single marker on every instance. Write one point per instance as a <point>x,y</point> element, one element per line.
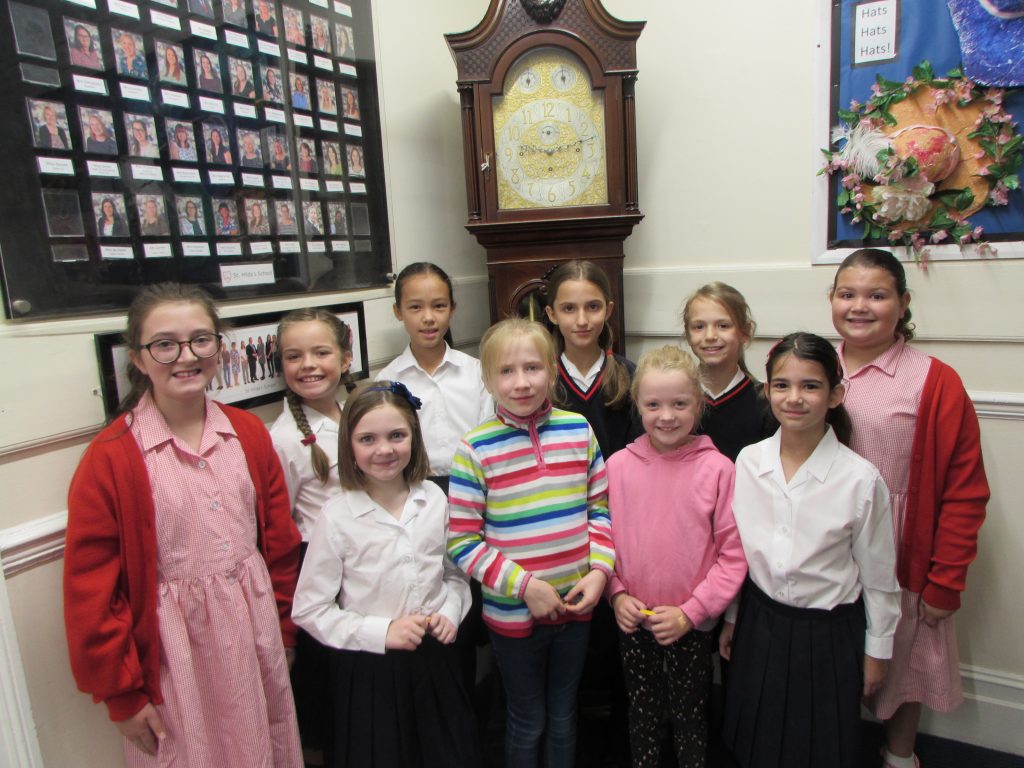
<point>231,144</point>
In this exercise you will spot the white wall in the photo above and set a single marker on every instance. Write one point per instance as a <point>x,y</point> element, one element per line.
<point>727,152</point>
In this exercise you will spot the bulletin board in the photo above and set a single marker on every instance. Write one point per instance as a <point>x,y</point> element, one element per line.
<point>889,38</point>
<point>231,144</point>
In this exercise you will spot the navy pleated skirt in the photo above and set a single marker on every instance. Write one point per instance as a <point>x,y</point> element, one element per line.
<point>401,709</point>
<point>795,684</point>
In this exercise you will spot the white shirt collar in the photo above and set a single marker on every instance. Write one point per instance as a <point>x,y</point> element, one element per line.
<point>584,380</point>
<point>736,381</point>
<point>817,465</point>
<point>407,360</point>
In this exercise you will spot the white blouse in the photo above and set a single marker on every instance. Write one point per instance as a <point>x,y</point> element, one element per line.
<point>305,491</point>
<point>823,538</point>
<point>364,568</point>
<point>454,401</point>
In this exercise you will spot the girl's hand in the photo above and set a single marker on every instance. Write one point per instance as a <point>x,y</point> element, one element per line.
<point>668,624</point>
<point>725,640</point>
<point>931,615</point>
<point>628,612</point>
<point>584,596</point>
<point>406,633</point>
<point>543,600</point>
<point>144,729</point>
<point>875,671</point>
<point>442,629</point>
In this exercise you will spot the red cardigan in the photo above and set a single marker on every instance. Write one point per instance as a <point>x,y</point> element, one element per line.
<point>110,555</point>
<point>947,492</point>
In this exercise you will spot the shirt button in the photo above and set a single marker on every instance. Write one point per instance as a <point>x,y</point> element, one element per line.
<point>406,558</point>
<point>215,505</point>
<point>202,464</point>
<point>779,565</point>
<point>784,529</point>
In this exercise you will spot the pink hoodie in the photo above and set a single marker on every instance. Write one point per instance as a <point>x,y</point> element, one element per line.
<point>675,538</point>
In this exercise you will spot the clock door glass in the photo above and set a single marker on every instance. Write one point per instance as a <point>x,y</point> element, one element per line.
<point>549,134</point>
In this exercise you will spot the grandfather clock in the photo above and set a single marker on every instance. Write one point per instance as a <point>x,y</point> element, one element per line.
<point>549,132</point>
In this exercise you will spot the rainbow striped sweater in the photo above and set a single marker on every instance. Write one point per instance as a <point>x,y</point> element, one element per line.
<point>529,497</point>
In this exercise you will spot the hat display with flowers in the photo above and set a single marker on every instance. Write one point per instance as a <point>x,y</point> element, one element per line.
<point>922,155</point>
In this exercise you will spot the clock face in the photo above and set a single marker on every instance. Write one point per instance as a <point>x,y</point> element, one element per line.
<point>549,134</point>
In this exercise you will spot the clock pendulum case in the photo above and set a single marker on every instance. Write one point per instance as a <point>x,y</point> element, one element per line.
<point>549,143</point>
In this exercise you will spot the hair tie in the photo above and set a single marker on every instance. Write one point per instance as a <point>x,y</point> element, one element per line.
<point>398,388</point>
<point>308,439</point>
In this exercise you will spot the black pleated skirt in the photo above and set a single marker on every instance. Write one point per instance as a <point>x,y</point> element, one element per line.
<point>795,683</point>
<point>401,709</point>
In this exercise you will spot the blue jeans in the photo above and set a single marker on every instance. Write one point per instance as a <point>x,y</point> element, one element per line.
<point>541,674</point>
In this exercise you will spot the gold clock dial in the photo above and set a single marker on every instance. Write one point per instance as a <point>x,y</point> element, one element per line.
<point>549,134</point>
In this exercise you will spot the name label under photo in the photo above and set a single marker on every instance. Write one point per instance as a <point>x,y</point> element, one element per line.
<point>103,169</point>
<point>84,3</point>
<point>137,92</point>
<point>289,246</point>
<point>222,177</point>
<point>321,62</point>
<point>229,249</point>
<point>347,69</point>
<point>304,121</point>
<point>310,185</point>
<point>162,19</point>
<point>261,246</point>
<point>236,39</point>
<point>123,8</point>
<point>353,130</point>
<point>274,115</point>
<point>297,56</point>
<point>330,126</point>
<point>175,98</point>
<point>56,165</point>
<point>202,29</point>
<point>117,252</point>
<point>157,250</point>
<point>334,185</point>
<point>357,188</point>
<point>186,175</point>
<point>252,180</point>
<point>195,249</point>
<point>245,110</point>
<point>270,49</point>
<point>316,246</point>
<point>341,245</point>
<point>147,172</point>
<point>232,275</point>
<point>211,105</point>
<point>87,84</point>
<point>281,182</point>
<point>343,8</point>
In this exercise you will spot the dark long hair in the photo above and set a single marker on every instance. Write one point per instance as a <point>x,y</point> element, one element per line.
<point>425,268</point>
<point>808,346</point>
<point>879,259</point>
<point>615,385</point>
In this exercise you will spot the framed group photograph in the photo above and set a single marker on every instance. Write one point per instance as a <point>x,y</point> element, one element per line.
<point>247,376</point>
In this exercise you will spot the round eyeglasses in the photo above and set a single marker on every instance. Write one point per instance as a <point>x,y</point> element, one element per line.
<point>168,351</point>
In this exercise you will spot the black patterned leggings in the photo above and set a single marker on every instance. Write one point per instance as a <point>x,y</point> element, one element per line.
<point>668,683</point>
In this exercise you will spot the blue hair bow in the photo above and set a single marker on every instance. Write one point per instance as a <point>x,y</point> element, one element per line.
<point>398,388</point>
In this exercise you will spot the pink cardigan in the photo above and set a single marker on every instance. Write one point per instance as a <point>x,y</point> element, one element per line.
<point>675,539</point>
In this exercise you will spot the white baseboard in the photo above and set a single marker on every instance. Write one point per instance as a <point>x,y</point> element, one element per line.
<point>19,744</point>
<point>992,715</point>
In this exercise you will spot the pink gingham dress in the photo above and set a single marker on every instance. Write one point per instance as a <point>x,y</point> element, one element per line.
<point>883,399</point>
<point>223,674</point>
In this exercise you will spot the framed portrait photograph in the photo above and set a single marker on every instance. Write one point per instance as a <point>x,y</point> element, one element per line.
<point>129,54</point>
<point>201,8</point>
<point>332,164</point>
<point>98,131</point>
<point>264,17</point>
<point>191,219</point>
<point>49,120</point>
<point>276,146</point>
<point>257,221</point>
<point>300,90</point>
<point>320,31</point>
<point>109,212</point>
<point>83,44</point>
<point>249,372</point>
<point>152,215</point>
<point>170,62</point>
<point>294,28</point>
<point>207,69</point>
<point>217,141</point>
<point>337,219</point>
<point>284,213</point>
<point>312,220</point>
<point>272,88</point>
<point>234,12</point>
<point>141,131</point>
<point>326,101</point>
<point>343,43</point>
<point>354,153</point>
<point>242,85</point>
<point>250,154</point>
<point>225,217</point>
<point>307,155</point>
<point>350,103</point>
<point>181,141</point>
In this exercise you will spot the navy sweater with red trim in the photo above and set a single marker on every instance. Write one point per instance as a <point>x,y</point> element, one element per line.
<point>737,418</point>
<point>614,429</point>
